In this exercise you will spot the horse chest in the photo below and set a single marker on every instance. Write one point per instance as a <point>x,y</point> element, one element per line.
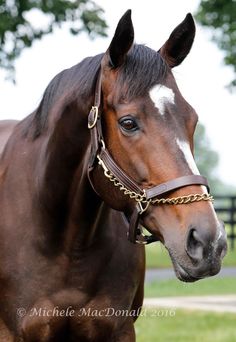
<point>96,321</point>
<point>85,300</point>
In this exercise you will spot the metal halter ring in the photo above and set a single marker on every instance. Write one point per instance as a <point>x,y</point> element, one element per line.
<point>94,111</point>
<point>143,205</point>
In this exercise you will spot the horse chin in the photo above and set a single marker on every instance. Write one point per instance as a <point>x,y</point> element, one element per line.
<point>182,274</point>
<point>188,275</point>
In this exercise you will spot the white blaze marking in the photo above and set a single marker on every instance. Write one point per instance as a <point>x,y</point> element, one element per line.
<point>161,95</point>
<point>185,148</point>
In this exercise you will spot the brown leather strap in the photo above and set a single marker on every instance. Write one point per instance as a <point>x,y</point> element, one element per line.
<point>118,172</point>
<point>98,92</point>
<point>176,184</point>
<point>96,129</point>
<point>94,142</point>
<point>133,225</point>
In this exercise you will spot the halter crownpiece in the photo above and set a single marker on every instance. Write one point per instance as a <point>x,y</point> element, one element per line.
<point>143,197</point>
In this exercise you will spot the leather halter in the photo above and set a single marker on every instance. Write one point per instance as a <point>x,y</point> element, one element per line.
<point>100,155</point>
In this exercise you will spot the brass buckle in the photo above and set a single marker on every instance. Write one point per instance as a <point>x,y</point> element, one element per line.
<point>94,112</point>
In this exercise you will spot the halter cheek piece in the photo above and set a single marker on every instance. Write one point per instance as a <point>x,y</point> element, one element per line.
<point>143,197</point>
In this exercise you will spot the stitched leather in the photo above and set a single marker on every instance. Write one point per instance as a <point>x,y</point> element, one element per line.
<point>175,184</point>
<point>118,172</point>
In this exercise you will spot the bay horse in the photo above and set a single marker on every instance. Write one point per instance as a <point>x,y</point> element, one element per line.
<point>108,151</point>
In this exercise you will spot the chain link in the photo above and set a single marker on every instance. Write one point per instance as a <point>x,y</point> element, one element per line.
<point>184,199</point>
<point>141,198</point>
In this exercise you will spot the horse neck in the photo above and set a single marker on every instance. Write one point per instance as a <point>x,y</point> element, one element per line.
<point>87,213</point>
<point>70,204</point>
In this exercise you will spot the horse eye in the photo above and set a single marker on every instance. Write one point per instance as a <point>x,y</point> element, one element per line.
<point>128,124</point>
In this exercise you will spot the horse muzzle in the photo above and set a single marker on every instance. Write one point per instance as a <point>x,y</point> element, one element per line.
<point>203,256</point>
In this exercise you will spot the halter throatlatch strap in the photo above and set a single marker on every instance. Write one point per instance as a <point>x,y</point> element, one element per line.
<point>142,197</point>
<point>94,125</point>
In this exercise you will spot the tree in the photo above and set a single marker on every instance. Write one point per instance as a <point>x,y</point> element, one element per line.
<point>17,31</point>
<point>206,158</point>
<point>221,16</point>
<point>207,161</point>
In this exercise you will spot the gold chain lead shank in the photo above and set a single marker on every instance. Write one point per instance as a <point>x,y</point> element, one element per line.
<point>141,198</point>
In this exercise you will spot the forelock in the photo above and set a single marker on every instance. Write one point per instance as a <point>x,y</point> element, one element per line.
<point>143,68</point>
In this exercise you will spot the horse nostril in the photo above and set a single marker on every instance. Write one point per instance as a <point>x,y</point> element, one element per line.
<point>194,246</point>
<point>221,248</point>
<point>223,252</point>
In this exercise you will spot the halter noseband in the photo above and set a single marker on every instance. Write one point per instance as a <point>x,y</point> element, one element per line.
<point>143,197</point>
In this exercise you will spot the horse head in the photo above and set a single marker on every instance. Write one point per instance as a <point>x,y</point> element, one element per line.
<point>147,128</point>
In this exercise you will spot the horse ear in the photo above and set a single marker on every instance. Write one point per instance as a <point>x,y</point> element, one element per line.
<point>122,40</point>
<point>179,43</point>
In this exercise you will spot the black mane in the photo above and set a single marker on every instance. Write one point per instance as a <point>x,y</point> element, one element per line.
<point>143,68</point>
<point>77,81</point>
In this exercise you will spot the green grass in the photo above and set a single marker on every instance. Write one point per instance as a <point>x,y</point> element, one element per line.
<point>174,287</point>
<point>158,257</point>
<point>230,258</point>
<point>185,326</point>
